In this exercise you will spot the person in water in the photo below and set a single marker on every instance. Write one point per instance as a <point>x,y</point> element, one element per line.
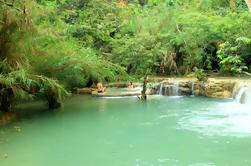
<point>130,85</point>
<point>100,88</point>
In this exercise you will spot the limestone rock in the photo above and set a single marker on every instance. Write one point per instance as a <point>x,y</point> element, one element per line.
<point>85,90</point>
<point>216,88</point>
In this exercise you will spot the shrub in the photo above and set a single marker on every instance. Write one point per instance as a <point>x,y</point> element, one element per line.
<point>200,74</point>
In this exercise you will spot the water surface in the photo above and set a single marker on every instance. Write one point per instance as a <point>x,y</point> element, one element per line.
<point>164,131</point>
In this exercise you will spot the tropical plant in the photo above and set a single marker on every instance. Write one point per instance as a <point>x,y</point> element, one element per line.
<point>234,55</point>
<point>200,74</point>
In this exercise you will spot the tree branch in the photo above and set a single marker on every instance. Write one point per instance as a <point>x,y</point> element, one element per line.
<point>248,74</point>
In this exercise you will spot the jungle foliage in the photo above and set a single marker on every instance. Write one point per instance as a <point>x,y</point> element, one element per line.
<point>50,47</point>
<point>163,37</point>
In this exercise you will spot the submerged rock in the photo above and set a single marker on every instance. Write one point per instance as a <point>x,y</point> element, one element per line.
<point>7,118</point>
<point>85,90</point>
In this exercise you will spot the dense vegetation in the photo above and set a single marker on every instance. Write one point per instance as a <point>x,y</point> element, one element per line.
<point>50,47</point>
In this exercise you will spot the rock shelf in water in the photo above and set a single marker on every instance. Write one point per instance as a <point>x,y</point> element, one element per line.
<point>213,87</point>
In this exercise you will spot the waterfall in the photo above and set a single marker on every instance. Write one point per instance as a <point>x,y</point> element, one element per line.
<point>243,96</point>
<point>172,89</point>
<point>248,96</point>
<point>175,89</point>
<point>161,89</point>
<point>192,88</point>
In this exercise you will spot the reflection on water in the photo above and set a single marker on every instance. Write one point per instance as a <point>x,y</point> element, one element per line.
<point>103,105</point>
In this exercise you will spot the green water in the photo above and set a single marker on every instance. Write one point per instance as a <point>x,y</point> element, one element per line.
<point>164,131</point>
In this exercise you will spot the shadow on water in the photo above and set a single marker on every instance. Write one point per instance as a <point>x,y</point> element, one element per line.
<point>25,111</point>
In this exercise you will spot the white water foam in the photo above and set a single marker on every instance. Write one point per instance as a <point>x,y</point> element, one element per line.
<point>226,119</point>
<point>243,96</point>
<point>161,89</point>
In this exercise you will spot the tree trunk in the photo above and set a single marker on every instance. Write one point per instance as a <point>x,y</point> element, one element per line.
<point>142,2</point>
<point>5,99</point>
<point>249,4</point>
<point>143,92</point>
<point>53,102</point>
<point>5,105</point>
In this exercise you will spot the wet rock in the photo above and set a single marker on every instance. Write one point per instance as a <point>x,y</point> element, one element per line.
<point>224,94</point>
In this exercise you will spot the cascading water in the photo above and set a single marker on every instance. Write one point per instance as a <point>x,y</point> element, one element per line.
<point>161,89</point>
<point>192,88</point>
<point>243,96</point>
<point>169,90</point>
<point>175,89</point>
